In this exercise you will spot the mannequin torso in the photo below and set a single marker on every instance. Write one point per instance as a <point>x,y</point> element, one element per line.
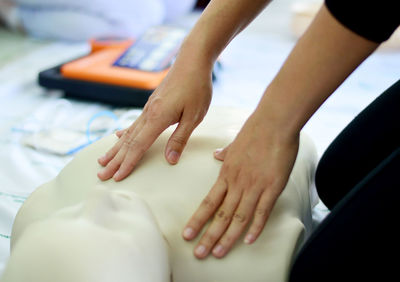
<point>76,202</point>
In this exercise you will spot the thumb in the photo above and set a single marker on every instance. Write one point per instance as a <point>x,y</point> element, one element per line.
<point>177,142</point>
<point>219,154</point>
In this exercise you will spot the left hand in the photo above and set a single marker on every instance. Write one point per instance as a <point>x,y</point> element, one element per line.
<point>256,168</point>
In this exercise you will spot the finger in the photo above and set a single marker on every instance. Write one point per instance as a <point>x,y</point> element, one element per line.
<point>220,154</point>
<point>241,218</point>
<point>178,140</point>
<point>206,209</point>
<point>109,155</point>
<point>219,225</point>
<point>112,167</point>
<point>129,132</point>
<point>261,214</point>
<point>135,149</point>
<point>119,133</point>
<point>118,152</point>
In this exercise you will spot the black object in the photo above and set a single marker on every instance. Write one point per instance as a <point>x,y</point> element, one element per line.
<point>201,4</point>
<point>114,95</point>
<point>93,91</point>
<point>371,19</point>
<point>358,179</point>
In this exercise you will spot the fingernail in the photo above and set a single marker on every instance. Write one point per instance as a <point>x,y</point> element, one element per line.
<point>218,250</point>
<point>102,158</point>
<point>200,250</point>
<point>219,150</point>
<point>249,239</point>
<point>188,233</point>
<point>173,156</point>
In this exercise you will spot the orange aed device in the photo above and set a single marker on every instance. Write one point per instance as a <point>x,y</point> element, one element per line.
<point>118,71</point>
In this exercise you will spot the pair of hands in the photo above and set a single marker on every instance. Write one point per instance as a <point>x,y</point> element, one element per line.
<point>256,167</point>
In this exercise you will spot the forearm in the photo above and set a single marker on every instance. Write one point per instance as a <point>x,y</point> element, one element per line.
<point>321,60</point>
<point>220,22</point>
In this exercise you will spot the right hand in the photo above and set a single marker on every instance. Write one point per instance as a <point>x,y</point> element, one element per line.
<point>183,97</point>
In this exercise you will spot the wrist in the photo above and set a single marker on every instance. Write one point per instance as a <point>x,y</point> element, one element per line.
<point>278,116</point>
<point>194,53</point>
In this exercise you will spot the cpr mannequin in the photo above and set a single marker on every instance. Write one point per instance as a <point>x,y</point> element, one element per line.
<point>77,228</point>
<point>100,239</point>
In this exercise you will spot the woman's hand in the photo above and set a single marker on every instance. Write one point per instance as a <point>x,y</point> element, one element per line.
<point>183,97</point>
<point>258,163</point>
<point>256,168</point>
<point>185,94</point>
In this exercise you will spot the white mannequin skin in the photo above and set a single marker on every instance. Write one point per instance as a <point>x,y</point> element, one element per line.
<point>81,229</point>
<point>113,232</point>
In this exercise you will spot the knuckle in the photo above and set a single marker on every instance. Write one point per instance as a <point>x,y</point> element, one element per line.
<point>239,217</point>
<point>247,179</point>
<point>128,131</point>
<point>208,203</point>
<point>179,139</point>
<point>253,178</point>
<point>260,212</point>
<point>134,144</point>
<point>270,181</point>
<point>221,215</point>
<point>154,108</point>
<point>232,173</point>
<point>128,143</point>
<point>146,106</point>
